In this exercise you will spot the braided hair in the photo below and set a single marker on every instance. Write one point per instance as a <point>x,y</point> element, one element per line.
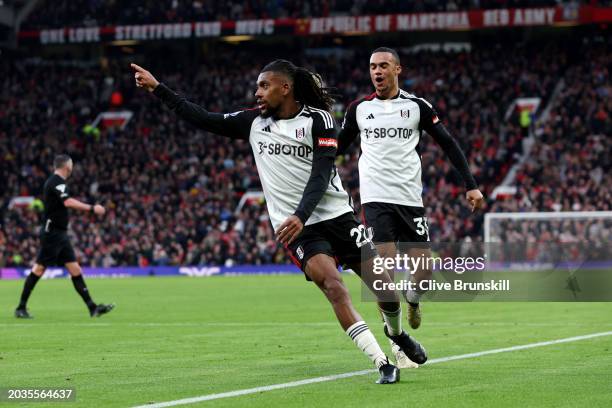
<point>307,86</point>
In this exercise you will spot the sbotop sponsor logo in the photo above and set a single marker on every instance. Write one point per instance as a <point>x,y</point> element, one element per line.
<point>388,133</point>
<point>277,149</point>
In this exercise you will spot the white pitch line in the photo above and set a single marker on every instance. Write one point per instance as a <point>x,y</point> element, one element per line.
<point>177,324</point>
<point>250,325</point>
<point>292,384</point>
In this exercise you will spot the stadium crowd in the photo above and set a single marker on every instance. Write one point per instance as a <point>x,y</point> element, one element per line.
<point>545,240</point>
<point>570,166</point>
<point>57,13</point>
<point>172,191</point>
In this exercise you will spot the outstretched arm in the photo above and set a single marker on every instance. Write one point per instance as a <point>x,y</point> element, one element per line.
<point>234,125</point>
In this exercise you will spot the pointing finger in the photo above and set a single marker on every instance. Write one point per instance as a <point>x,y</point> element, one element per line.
<point>137,67</point>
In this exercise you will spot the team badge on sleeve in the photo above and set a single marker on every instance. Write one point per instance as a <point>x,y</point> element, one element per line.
<point>328,142</point>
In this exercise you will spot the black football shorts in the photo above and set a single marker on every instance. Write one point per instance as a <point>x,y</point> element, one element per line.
<point>342,238</point>
<point>56,249</point>
<point>396,223</point>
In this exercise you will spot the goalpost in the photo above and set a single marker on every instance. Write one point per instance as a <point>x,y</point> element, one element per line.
<point>549,238</point>
<point>497,226</point>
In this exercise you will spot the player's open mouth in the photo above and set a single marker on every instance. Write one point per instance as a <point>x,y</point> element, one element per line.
<point>261,105</point>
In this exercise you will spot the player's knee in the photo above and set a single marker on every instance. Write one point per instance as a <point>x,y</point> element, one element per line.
<point>75,270</point>
<point>38,270</point>
<point>335,291</point>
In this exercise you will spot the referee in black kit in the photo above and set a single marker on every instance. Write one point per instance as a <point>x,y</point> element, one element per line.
<point>55,244</point>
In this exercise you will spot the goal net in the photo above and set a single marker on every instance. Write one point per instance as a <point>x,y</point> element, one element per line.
<point>550,238</point>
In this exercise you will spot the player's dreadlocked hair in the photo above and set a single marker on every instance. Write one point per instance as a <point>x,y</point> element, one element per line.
<point>307,86</point>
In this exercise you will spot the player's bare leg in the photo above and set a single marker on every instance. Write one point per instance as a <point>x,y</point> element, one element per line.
<point>389,250</point>
<point>35,274</point>
<point>321,269</point>
<point>413,297</point>
<point>95,310</point>
<point>390,308</point>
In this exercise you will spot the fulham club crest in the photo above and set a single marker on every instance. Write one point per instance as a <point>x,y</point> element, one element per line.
<point>405,113</point>
<point>299,133</point>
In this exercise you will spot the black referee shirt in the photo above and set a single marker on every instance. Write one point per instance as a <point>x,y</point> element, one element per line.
<point>55,192</point>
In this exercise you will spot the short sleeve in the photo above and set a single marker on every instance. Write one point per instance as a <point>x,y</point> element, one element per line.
<point>61,191</point>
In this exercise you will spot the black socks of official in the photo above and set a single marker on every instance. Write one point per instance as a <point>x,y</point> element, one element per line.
<point>28,286</point>
<point>81,288</point>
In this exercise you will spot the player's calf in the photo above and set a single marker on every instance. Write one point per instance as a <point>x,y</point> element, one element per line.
<point>322,270</point>
<point>30,282</point>
<point>413,296</point>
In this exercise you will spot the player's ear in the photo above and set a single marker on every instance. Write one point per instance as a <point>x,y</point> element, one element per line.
<point>286,88</point>
<point>398,69</point>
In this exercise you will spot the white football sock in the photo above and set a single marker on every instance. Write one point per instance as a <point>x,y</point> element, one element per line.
<point>365,340</point>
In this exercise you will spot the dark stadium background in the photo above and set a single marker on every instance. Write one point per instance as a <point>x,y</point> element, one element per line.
<point>172,191</point>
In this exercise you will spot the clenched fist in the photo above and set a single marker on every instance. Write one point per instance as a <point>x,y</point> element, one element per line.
<point>99,210</point>
<point>475,199</point>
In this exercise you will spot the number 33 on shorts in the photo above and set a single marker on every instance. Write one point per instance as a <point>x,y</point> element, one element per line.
<point>421,226</point>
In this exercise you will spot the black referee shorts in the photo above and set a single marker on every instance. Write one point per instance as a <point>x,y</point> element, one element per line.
<point>56,249</point>
<point>342,238</point>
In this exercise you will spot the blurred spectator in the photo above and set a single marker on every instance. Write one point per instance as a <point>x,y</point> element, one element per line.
<point>171,191</point>
<point>60,13</point>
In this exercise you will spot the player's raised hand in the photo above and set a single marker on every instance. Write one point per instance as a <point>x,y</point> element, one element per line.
<point>99,210</point>
<point>289,230</point>
<point>475,199</point>
<point>144,79</point>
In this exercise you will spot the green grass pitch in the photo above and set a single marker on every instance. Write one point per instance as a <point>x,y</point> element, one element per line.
<point>174,338</point>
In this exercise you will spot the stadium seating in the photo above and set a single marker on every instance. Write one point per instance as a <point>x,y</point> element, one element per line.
<point>172,191</point>
<point>99,12</point>
<point>570,166</point>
